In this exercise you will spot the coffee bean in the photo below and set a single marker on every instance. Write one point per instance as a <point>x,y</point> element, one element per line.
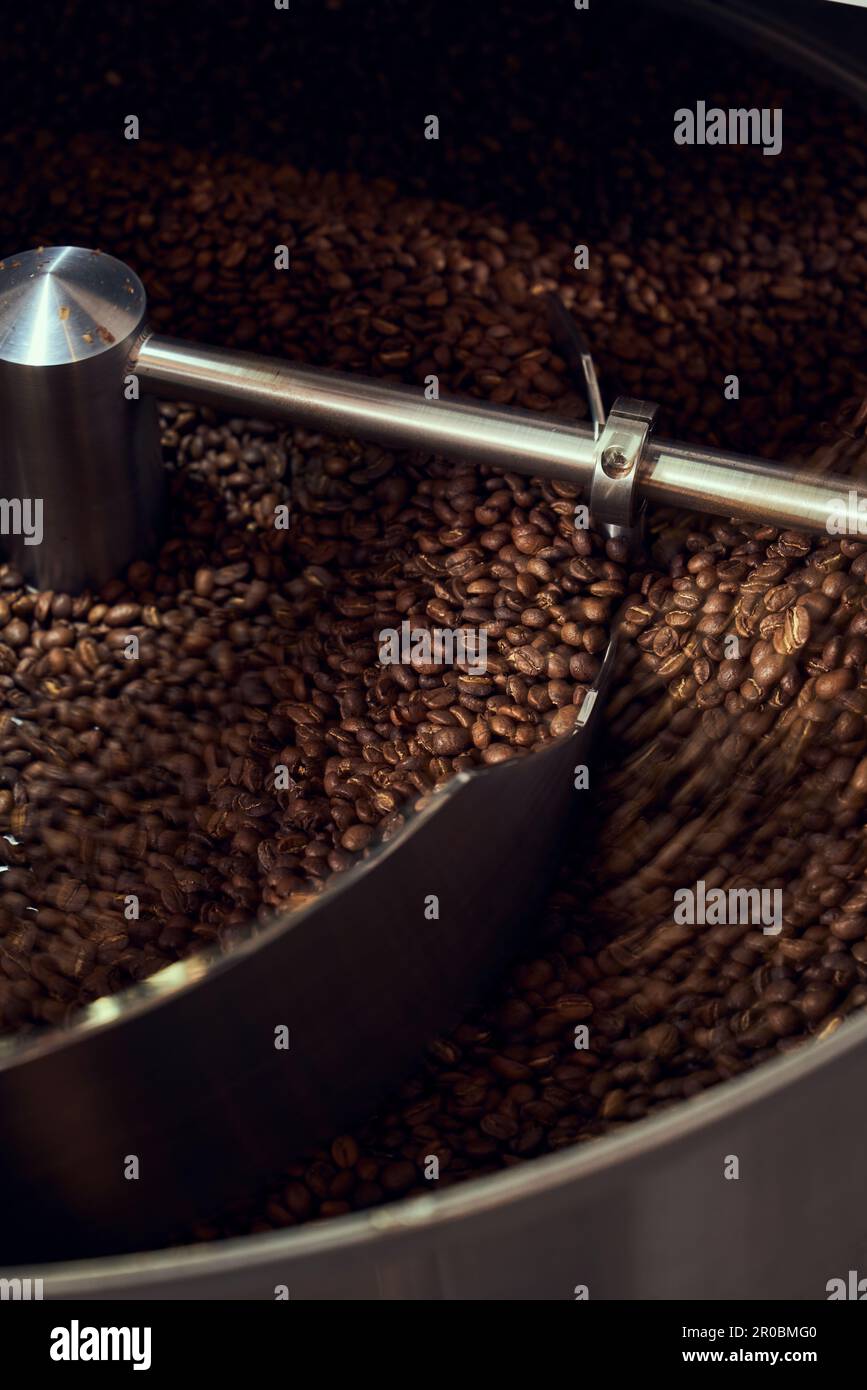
<point>398,1177</point>
<point>564,720</point>
<point>345,1151</point>
<point>529,661</point>
<point>449,742</point>
<point>829,686</point>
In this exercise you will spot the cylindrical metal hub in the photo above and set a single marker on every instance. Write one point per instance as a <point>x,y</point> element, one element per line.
<point>81,474</point>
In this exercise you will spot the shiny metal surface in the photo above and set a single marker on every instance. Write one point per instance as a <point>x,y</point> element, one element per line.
<point>183,1072</point>
<point>712,481</point>
<point>397,416</point>
<point>63,304</point>
<point>811,36</point>
<point>69,437</point>
<point>576,350</point>
<point>643,1214</point>
<point>675,475</point>
<point>614,491</point>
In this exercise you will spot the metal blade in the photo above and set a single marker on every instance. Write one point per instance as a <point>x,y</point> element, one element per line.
<point>182,1071</point>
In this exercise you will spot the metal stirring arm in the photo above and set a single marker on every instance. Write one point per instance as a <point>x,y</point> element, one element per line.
<point>669,474</point>
<point>576,350</point>
<point>79,370</point>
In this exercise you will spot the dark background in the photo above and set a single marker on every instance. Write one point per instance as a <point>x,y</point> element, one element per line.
<point>559,117</point>
<point>343,84</point>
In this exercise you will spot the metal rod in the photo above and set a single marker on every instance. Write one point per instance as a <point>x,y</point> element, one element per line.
<point>576,350</point>
<point>398,416</point>
<point>716,482</point>
<point>674,475</point>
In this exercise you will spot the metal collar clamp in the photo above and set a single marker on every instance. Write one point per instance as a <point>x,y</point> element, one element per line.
<point>619,451</point>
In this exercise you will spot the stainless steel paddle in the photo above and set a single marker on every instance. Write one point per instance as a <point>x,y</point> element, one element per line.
<point>185,1072</point>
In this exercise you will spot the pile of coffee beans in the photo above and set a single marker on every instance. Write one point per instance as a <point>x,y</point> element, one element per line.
<point>744,773</point>
<point>153,778</point>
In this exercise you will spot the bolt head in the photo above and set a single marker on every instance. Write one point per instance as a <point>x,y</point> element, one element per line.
<point>614,462</point>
